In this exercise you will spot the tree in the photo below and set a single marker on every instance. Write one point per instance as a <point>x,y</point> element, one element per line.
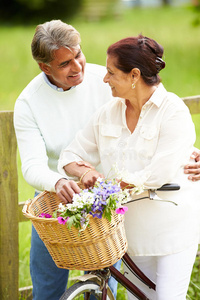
<point>166,2</point>
<point>23,11</point>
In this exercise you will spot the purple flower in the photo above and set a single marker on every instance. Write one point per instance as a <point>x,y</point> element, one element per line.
<point>98,205</point>
<point>121,210</point>
<point>61,220</point>
<point>105,189</point>
<point>83,217</point>
<point>43,215</point>
<point>97,215</point>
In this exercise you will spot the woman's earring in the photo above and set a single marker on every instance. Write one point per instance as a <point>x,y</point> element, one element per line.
<point>133,85</point>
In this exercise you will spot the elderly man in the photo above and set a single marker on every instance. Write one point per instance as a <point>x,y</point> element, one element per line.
<point>47,115</point>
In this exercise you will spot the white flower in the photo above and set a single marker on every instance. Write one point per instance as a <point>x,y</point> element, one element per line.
<point>134,179</point>
<point>61,207</point>
<point>99,179</point>
<point>137,190</point>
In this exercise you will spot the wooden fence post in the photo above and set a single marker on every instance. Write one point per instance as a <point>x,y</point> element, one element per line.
<point>9,249</point>
<point>193,103</point>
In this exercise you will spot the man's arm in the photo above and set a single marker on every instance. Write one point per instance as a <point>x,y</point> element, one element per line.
<point>193,169</point>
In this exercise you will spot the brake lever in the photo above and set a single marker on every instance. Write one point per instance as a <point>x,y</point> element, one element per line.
<point>154,196</point>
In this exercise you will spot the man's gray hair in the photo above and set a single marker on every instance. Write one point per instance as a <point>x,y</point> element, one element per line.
<point>51,36</point>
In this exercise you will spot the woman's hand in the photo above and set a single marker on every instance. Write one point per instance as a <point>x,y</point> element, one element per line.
<point>65,189</point>
<point>89,178</point>
<point>193,169</point>
<point>125,185</point>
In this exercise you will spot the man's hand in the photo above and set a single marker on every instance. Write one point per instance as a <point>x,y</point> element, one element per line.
<point>65,189</point>
<point>193,169</point>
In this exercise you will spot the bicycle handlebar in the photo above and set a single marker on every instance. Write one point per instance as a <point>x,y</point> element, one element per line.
<point>152,195</point>
<point>169,187</point>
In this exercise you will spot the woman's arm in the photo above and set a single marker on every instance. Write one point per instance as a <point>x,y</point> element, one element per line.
<point>87,175</point>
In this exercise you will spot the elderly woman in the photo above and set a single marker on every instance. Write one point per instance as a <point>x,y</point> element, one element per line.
<point>147,132</point>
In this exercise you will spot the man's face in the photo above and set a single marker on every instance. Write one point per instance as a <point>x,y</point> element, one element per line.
<point>67,68</point>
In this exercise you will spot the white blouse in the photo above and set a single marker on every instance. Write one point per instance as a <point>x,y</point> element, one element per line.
<point>154,154</point>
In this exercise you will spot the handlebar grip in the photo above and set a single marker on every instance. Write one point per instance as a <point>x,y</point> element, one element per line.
<point>169,187</point>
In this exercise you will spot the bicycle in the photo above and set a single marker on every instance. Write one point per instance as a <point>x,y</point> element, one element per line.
<point>95,283</point>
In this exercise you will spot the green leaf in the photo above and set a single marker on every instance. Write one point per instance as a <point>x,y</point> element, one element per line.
<point>71,221</point>
<point>107,213</point>
<point>74,221</point>
<point>55,214</point>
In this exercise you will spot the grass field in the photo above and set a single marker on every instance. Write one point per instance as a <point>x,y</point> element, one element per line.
<point>171,27</point>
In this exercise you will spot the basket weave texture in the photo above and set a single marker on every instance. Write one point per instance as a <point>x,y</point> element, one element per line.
<point>100,245</point>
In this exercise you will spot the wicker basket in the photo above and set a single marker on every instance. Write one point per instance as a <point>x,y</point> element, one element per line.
<point>100,245</point>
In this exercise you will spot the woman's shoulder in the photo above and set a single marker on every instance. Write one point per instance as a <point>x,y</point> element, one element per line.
<point>111,106</point>
<point>173,101</point>
<point>110,109</point>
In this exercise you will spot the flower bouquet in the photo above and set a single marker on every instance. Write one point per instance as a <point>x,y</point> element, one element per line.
<point>93,234</point>
<point>100,201</point>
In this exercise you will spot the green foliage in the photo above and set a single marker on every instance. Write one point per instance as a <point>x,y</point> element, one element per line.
<point>194,288</point>
<point>74,221</point>
<point>24,250</point>
<point>29,12</point>
<point>196,21</point>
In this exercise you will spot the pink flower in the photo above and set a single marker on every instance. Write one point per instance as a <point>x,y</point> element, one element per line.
<point>121,210</point>
<point>61,220</point>
<point>43,215</point>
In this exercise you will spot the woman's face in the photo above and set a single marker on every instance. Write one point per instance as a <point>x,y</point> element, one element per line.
<point>119,81</point>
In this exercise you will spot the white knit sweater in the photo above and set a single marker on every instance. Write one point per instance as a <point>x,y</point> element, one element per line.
<point>47,120</point>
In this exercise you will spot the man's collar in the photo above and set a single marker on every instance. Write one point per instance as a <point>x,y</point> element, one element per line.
<point>53,86</point>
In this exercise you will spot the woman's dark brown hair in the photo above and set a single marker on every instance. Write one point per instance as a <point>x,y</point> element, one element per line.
<point>139,52</point>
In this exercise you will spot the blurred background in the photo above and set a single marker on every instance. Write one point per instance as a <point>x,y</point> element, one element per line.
<point>175,24</point>
<point>23,11</point>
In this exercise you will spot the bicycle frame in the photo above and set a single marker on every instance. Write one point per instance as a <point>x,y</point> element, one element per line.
<point>127,283</point>
<point>123,280</point>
